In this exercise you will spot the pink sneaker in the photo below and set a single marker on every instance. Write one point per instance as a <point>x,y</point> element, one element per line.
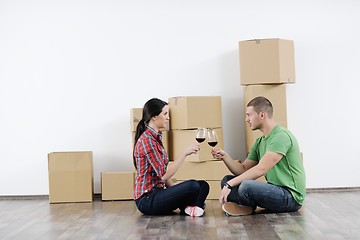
<point>194,211</point>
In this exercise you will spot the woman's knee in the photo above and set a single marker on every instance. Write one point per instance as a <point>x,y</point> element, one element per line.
<point>204,185</point>
<point>193,185</point>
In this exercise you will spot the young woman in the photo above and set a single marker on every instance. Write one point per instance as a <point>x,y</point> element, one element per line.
<point>155,193</point>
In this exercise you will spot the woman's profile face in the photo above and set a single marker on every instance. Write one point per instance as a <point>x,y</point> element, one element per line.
<point>162,119</point>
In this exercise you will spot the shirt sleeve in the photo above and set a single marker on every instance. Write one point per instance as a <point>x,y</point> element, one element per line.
<point>280,143</point>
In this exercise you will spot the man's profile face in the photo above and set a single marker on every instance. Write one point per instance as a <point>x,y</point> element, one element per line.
<point>252,118</point>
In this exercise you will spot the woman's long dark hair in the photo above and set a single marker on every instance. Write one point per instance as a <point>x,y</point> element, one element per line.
<point>152,108</point>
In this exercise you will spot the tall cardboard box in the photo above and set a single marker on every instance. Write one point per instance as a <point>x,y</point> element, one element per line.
<point>117,185</point>
<point>277,96</point>
<point>181,139</point>
<point>70,177</point>
<point>267,61</point>
<point>190,112</point>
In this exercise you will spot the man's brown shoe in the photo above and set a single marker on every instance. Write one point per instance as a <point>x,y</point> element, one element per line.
<point>234,209</point>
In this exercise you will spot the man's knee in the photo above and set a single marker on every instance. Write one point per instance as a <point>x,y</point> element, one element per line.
<point>226,179</point>
<point>246,186</point>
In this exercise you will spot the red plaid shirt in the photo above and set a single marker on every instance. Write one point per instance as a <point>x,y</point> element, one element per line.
<point>151,162</point>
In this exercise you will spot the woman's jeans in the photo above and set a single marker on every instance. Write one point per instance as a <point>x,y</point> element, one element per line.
<point>181,195</point>
<point>265,195</point>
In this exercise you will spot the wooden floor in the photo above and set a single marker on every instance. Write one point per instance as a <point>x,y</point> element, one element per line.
<point>325,215</point>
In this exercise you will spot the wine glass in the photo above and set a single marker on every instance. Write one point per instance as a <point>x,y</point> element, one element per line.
<point>212,138</point>
<point>200,135</point>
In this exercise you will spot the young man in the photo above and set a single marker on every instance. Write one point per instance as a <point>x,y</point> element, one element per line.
<point>276,156</point>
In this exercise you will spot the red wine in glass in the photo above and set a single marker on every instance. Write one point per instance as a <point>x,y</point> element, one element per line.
<point>200,140</point>
<point>213,144</point>
<point>200,135</point>
<point>212,138</point>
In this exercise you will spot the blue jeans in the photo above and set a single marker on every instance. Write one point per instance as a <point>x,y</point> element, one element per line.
<point>255,193</point>
<point>181,195</point>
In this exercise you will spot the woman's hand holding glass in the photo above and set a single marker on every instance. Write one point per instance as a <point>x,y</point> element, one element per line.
<point>192,149</point>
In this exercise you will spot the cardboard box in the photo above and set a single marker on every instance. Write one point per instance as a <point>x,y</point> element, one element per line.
<point>135,117</point>
<point>195,111</point>
<point>262,179</point>
<point>117,185</point>
<point>277,95</point>
<point>181,139</point>
<point>70,177</point>
<point>215,189</point>
<point>267,61</point>
<point>211,170</point>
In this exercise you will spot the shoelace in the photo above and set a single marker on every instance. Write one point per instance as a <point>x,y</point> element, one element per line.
<point>193,211</point>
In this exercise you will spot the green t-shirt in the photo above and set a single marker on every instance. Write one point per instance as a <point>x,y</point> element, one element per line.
<point>289,171</point>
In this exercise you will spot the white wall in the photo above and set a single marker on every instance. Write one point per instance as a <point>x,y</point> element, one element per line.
<point>71,70</point>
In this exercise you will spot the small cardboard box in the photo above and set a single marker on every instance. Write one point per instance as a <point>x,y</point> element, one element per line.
<point>277,96</point>
<point>180,139</point>
<point>70,177</point>
<point>266,61</point>
<point>195,111</point>
<point>117,185</point>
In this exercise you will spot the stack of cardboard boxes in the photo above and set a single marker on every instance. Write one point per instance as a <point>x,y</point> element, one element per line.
<point>187,113</point>
<point>266,67</point>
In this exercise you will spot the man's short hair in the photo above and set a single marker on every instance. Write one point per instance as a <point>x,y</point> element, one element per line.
<point>261,104</point>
